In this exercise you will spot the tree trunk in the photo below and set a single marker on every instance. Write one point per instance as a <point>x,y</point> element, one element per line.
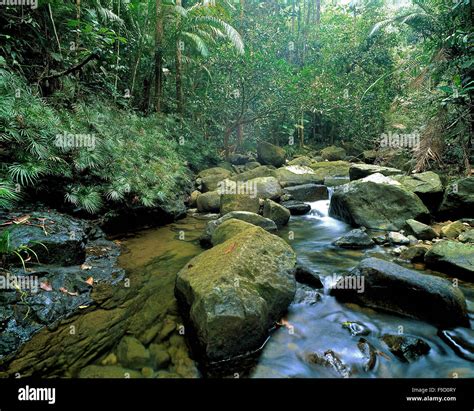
<point>158,57</point>
<point>179,68</point>
<point>318,13</point>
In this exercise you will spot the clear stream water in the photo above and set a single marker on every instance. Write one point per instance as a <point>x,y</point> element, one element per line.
<point>314,320</point>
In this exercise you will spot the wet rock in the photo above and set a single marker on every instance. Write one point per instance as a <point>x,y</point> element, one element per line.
<point>305,275</point>
<point>376,202</point>
<point>453,230</point>
<point>229,229</point>
<point>234,292</point>
<point>159,356</point>
<point>306,295</point>
<point>308,192</point>
<point>405,348</point>
<point>393,288</point>
<point>275,212</point>
<point>420,230</point>
<point>458,200</point>
<point>209,202</point>
<point>131,353</point>
<point>369,353</point>
<point>110,371</point>
<point>55,238</point>
<point>453,258</point>
<point>359,171</point>
<point>356,328</point>
<point>397,238</point>
<point>467,237</point>
<point>427,186</point>
<point>296,207</point>
<point>330,360</point>
<point>333,153</point>
<point>246,216</point>
<point>239,202</point>
<point>415,254</point>
<point>356,238</point>
<point>271,154</point>
<point>461,340</point>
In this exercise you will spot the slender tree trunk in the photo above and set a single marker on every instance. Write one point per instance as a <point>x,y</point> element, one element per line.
<point>240,135</point>
<point>158,57</point>
<point>179,67</point>
<point>318,13</point>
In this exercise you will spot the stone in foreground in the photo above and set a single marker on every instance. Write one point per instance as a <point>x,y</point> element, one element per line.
<point>233,293</point>
<point>393,288</point>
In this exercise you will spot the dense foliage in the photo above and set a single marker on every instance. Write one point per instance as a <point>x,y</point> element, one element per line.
<point>148,89</point>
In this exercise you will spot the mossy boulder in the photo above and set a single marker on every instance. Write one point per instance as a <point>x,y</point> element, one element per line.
<point>233,293</point>
<point>229,229</point>
<point>274,211</point>
<point>265,187</point>
<point>132,353</point>
<point>301,161</point>
<point>239,202</point>
<point>330,170</point>
<point>427,186</point>
<point>358,171</point>
<point>393,288</point>
<point>261,171</point>
<point>458,200</point>
<point>271,154</point>
<point>376,202</point>
<point>295,175</point>
<point>333,153</point>
<point>159,356</point>
<point>453,258</point>
<point>453,230</point>
<point>209,202</point>
<point>214,171</point>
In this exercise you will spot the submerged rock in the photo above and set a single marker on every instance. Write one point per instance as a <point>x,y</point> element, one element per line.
<point>376,202</point>
<point>453,258</point>
<point>356,328</point>
<point>233,293</point>
<point>461,340</point>
<point>330,360</point>
<point>406,348</point>
<point>393,288</point>
<point>296,207</point>
<point>356,238</point>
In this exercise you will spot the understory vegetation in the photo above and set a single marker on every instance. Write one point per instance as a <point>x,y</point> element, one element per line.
<point>113,103</point>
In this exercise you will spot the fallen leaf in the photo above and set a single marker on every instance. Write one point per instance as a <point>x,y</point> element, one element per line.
<point>86,266</point>
<point>22,219</point>
<point>65,291</point>
<point>231,248</point>
<point>46,286</point>
<point>90,281</point>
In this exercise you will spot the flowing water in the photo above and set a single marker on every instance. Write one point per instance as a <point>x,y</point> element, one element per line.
<point>314,321</point>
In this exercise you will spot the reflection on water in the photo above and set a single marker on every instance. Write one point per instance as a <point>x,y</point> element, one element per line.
<point>317,328</point>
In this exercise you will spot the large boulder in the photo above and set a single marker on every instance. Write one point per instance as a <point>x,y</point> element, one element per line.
<point>246,216</point>
<point>308,192</point>
<point>390,287</point>
<point>233,293</point>
<point>265,187</point>
<point>330,170</point>
<point>209,202</point>
<point>427,186</point>
<point>333,153</point>
<point>239,202</point>
<point>229,229</point>
<point>296,175</point>
<point>297,207</point>
<point>274,211</point>
<point>453,258</point>
<point>211,177</point>
<point>458,200</point>
<point>271,154</point>
<point>358,171</point>
<point>376,202</point>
